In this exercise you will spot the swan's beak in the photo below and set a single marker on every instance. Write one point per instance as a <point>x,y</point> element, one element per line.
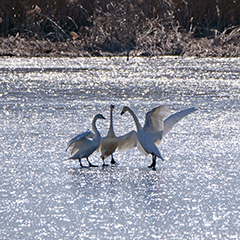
<point>122,112</point>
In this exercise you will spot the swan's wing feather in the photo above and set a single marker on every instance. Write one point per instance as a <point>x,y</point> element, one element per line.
<point>127,141</point>
<point>176,117</point>
<point>81,136</point>
<point>83,145</point>
<point>141,149</point>
<point>154,119</point>
<point>157,137</point>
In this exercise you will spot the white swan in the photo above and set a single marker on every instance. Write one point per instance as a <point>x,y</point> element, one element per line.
<point>155,128</point>
<point>111,142</point>
<point>82,146</point>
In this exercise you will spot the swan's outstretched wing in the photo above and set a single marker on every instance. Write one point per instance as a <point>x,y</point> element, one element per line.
<point>154,119</point>
<point>127,141</point>
<point>79,137</point>
<point>176,117</point>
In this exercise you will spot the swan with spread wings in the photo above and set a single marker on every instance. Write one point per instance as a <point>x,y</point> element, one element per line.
<point>156,126</point>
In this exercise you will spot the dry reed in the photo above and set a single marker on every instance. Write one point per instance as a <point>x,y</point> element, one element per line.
<point>94,27</point>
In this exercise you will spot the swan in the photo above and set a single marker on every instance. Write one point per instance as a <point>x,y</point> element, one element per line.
<point>154,129</point>
<point>84,144</point>
<point>111,142</point>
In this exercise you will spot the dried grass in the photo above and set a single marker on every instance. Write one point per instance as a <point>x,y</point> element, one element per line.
<point>154,27</point>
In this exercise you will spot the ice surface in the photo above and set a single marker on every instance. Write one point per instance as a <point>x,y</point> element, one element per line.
<point>193,194</point>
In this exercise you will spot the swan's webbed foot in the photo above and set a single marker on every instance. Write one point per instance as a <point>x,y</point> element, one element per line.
<point>81,164</point>
<point>104,164</point>
<point>91,165</point>
<point>153,165</point>
<point>113,160</point>
<point>150,166</point>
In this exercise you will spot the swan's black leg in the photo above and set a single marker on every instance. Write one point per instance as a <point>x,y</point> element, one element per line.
<point>104,164</point>
<point>81,164</point>
<point>150,166</point>
<point>91,165</point>
<point>153,165</point>
<point>112,160</point>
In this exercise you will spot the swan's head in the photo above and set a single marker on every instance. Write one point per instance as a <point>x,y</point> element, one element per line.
<point>125,109</point>
<point>99,116</point>
<point>112,106</point>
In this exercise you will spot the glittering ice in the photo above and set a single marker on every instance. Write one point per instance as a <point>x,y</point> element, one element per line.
<point>193,194</point>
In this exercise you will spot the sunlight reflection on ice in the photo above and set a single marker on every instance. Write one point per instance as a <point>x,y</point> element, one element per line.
<point>194,194</point>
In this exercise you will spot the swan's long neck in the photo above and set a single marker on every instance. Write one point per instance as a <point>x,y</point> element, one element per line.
<point>111,132</point>
<point>135,119</point>
<point>95,128</point>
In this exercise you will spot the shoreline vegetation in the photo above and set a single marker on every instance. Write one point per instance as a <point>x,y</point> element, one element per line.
<point>81,28</point>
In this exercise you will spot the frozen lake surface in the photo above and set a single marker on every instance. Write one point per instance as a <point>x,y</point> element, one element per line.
<point>193,194</point>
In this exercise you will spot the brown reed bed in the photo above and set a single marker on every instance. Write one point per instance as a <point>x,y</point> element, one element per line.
<point>124,27</point>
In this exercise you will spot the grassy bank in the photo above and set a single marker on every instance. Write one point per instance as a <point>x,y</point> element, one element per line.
<point>137,27</point>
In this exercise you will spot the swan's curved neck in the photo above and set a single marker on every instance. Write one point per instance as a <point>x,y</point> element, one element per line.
<point>94,127</point>
<point>135,119</point>
<point>111,132</point>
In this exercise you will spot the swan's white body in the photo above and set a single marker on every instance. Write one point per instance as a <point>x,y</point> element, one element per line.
<point>111,142</point>
<point>83,145</point>
<point>154,129</point>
